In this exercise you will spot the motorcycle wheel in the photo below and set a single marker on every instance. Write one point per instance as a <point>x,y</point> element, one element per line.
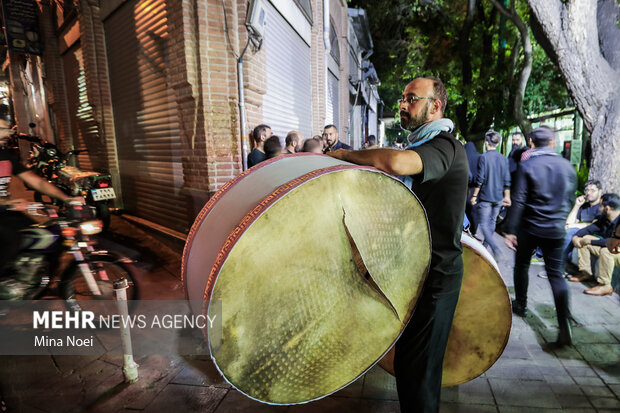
<point>107,270</point>
<point>103,213</point>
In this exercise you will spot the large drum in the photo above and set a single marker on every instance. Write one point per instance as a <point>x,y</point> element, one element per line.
<point>317,265</point>
<point>482,319</point>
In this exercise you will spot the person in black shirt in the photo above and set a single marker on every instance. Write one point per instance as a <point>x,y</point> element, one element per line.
<point>259,135</point>
<point>491,190</point>
<point>592,240</point>
<point>330,135</point>
<point>12,219</point>
<point>438,166</point>
<point>541,201</point>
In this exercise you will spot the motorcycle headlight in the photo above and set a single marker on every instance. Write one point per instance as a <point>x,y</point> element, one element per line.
<point>91,227</point>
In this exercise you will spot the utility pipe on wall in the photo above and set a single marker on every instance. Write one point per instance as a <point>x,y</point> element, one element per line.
<point>327,44</point>
<point>244,138</point>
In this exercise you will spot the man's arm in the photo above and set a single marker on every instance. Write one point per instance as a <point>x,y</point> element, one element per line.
<point>37,183</point>
<point>506,201</point>
<point>513,220</point>
<point>572,216</point>
<point>480,177</point>
<point>392,161</point>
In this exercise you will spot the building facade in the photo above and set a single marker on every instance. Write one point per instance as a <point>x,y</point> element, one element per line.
<point>152,89</point>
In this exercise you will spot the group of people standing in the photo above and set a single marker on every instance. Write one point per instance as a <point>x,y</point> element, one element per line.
<point>539,187</point>
<point>267,145</point>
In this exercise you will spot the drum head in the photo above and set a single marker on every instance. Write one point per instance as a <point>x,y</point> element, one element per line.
<point>316,283</point>
<point>482,319</point>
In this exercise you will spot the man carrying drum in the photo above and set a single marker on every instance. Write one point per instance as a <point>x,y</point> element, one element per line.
<point>437,165</point>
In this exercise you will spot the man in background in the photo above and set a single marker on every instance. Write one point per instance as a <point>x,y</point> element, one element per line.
<point>491,189</point>
<point>259,135</point>
<point>330,135</point>
<point>544,187</point>
<point>294,142</point>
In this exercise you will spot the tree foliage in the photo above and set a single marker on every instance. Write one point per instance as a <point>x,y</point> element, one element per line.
<point>472,47</point>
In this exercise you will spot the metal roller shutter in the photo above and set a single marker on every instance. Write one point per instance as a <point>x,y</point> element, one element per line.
<point>287,105</point>
<point>146,114</point>
<point>84,128</point>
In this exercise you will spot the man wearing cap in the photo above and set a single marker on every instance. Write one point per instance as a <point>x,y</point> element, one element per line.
<point>436,166</point>
<point>543,197</point>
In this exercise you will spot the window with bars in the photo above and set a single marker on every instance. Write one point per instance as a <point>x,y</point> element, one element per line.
<point>333,40</point>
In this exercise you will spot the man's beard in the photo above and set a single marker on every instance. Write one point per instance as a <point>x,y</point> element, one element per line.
<point>414,123</point>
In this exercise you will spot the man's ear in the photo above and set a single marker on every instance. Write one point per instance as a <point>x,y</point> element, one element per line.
<point>436,106</point>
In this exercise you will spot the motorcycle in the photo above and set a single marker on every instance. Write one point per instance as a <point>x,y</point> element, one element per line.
<point>60,252</point>
<point>49,162</point>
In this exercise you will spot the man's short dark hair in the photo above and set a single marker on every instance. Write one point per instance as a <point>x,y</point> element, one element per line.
<point>372,139</point>
<point>311,144</point>
<point>492,138</point>
<point>439,92</point>
<point>611,200</point>
<point>542,136</point>
<point>273,147</point>
<point>593,182</point>
<point>330,126</point>
<point>258,131</point>
<point>292,136</point>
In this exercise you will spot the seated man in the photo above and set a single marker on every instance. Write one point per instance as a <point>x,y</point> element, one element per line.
<point>584,212</point>
<point>592,240</point>
<point>586,208</point>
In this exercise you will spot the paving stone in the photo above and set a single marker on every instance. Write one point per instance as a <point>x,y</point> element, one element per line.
<point>593,335</point>
<point>615,388</point>
<point>595,391</point>
<point>329,405</point>
<point>476,392</point>
<point>588,381</point>
<point>600,354</point>
<point>155,372</point>
<point>379,384</point>
<point>200,372</point>
<point>564,386</point>
<point>354,389</point>
<point>516,349</point>
<point>574,401</point>
<point>609,374</point>
<point>611,403</point>
<point>235,402</point>
<point>553,371</point>
<point>569,356</point>
<point>379,406</point>
<point>192,398</point>
<point>526,393</point>
<point>581,371</point>
<point>520,409</point>
<point>466,408</point>
<point>560,379</point>
<point>515,369</point>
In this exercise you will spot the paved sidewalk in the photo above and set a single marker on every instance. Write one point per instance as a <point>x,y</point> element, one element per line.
<point>528,377</point>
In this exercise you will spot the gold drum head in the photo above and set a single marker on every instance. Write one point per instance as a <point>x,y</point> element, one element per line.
<point>317,282</point>
<point>482,319</point>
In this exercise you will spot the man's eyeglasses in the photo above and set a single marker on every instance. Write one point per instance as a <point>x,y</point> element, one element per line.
<point>412,99</point>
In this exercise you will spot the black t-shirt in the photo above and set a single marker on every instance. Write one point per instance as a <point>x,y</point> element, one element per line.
<point>442,189</point>
<point>255,157</point>
<point>9,166</point>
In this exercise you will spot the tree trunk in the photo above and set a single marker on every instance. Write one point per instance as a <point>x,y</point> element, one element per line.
<point>526,70</point>
<point>577,34</point>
